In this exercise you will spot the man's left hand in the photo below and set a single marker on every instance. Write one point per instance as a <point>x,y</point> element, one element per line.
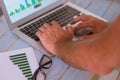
<point>52,36</point>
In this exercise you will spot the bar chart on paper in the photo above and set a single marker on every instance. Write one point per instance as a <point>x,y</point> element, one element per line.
<point>18,64</point>
<point>25,5</point>
<point>21,61</point>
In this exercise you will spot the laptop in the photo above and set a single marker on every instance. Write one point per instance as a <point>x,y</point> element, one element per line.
<point>24,17</point>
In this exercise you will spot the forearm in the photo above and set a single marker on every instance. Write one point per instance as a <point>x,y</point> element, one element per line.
<point>84,55</point>
<point>79,54</point>
<point>94,54</point>
<point>73,51</point>
<point>109,43</point>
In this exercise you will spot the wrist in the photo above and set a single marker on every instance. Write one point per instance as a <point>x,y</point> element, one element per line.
<point>62,47</point>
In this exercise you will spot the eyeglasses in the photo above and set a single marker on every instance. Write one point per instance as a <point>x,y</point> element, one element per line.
<point>45,63</point>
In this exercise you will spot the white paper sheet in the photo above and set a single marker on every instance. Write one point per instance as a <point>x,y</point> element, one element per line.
<point>10,64</point>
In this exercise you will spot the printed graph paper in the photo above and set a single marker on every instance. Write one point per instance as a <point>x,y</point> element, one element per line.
<point>21,61</point>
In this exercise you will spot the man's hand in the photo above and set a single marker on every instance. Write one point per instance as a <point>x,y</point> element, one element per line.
<point>52,36</point>
<point>89,21</point>
<point>90,55</point>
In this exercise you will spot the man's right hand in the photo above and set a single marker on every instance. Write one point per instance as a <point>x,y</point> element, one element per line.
<point>89,21</point>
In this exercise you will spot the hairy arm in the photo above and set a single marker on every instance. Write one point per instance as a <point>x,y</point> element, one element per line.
<point>100,54</point>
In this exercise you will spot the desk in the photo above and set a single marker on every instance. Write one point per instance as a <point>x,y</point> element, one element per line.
<point>107,9</point>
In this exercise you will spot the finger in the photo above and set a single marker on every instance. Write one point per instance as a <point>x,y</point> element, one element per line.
<point>83,25</point>
<point>80,18</point>
<point>42,29</point>
<point>38,33</point>
<point>85,37</point>
<point>89,36</point>
<point>55,24</point>
<point>70,29</point>
<point>46,25</point>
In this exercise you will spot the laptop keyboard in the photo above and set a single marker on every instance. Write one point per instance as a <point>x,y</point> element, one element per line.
<point>63,16</point>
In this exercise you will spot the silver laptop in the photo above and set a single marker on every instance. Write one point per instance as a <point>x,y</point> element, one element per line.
<point>26,16</point>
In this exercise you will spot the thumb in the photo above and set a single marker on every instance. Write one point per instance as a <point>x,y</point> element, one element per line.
<point>83,25</point>
<point>87,36</point>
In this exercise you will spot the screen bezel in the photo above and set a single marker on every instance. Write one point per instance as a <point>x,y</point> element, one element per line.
<point>30,17</point>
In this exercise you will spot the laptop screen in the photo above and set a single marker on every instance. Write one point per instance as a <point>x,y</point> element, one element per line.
<point>19,9</point>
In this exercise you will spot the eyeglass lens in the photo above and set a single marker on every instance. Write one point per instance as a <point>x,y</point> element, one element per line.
<point>45,63</point>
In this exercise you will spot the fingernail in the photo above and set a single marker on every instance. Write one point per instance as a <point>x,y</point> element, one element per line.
<point>37,33</point>
<point>45,25</point>
<point>54,21</point>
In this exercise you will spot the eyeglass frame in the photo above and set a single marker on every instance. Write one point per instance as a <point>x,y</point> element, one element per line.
<point>42,67</point>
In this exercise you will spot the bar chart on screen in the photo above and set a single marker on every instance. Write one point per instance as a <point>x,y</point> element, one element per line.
<point>28,4</point>
<point>24,9</point>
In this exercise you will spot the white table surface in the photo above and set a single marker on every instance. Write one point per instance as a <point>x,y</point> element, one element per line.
<point>107,9</point>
